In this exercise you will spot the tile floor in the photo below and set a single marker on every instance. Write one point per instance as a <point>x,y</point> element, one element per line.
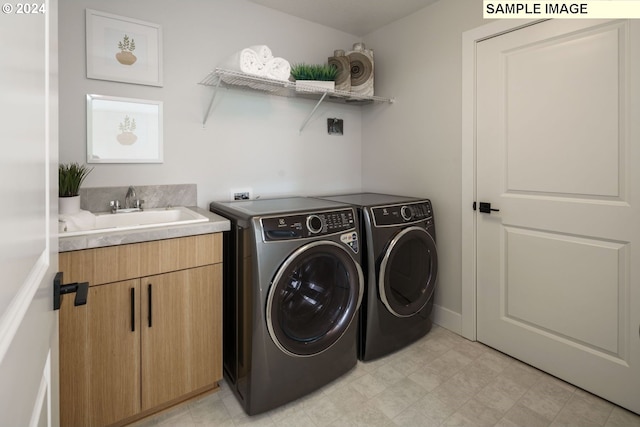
<point>441,380</point>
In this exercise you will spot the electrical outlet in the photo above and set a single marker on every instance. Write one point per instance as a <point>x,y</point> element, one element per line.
<point>335,126</point>
<point>241,194</point>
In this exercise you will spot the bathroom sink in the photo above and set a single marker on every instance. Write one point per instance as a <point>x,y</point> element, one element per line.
<point>108,222</point>
<point>160,216</point>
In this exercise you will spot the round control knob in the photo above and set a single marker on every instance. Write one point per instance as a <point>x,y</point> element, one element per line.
<point>314,224</point>
<point>406,212</point>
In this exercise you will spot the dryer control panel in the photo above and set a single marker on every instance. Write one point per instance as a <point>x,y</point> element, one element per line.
<point>386,216</point>
<point>300,226</point>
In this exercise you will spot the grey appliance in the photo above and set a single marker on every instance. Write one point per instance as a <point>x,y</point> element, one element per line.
<point>400,260</point>
<point>292,289</point>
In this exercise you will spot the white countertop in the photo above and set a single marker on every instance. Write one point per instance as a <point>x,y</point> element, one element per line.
<point>215,224</point>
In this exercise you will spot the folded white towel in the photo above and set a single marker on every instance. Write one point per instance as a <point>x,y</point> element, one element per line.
<point>263,52</point>
<point>79,221</point>
<point>246,61</point>
<point>278,69</point>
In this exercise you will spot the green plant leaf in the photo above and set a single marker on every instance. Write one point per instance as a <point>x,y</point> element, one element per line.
<point>323,72</point>
<point>70,178</point>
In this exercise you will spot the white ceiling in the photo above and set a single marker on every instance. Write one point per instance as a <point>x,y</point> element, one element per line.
<point>357,17</point>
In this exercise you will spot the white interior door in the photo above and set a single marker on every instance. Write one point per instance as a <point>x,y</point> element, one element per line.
<point>28,226</point>
<point>558,153</point>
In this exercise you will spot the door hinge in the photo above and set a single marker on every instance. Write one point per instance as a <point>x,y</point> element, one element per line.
<point>474,206</point>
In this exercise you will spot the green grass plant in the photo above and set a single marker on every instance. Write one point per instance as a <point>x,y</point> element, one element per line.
<point>70,178</point>
<point>323,72</point>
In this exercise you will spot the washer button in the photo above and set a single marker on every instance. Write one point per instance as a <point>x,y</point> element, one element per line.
<point>406,212</point>
<point>314,224</point>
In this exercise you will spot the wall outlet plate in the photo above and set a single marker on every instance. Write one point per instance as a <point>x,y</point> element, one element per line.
<point>240,194</point>
<point>335,126</point>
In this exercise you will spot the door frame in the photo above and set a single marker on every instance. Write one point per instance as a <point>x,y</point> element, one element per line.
<point>468,268</point>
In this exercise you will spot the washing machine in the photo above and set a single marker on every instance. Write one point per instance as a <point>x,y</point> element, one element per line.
<point>400,260</point>
<point>292,288</point>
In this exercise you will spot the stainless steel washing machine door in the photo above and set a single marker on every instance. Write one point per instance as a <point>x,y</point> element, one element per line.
<point>408,271</point>
<point>314,297</point>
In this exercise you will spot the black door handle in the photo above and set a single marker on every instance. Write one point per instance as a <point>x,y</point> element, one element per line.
<point>486,208</point>
<point>150,294</point>
<point>133,309</point>
<point>81,290</point>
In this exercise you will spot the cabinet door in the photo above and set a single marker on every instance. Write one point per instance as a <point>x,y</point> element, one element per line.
<point>181,333</point>
<point>100,356</point>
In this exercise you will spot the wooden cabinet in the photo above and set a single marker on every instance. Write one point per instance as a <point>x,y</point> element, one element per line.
<point>150,334</point>
<point>177,358</point>
<point>100,357</point>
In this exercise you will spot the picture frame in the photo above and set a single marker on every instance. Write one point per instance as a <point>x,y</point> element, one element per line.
<point>124,130</point>
<point>123,49</point>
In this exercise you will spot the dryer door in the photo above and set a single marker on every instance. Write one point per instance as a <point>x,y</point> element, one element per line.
<point>313,298</point>
<point>408,271</point>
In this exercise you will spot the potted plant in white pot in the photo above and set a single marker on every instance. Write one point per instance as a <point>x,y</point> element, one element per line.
<point>70,178</point>
<point>310,76</point>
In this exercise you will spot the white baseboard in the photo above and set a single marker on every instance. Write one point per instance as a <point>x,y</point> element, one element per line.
<point>447,319</point>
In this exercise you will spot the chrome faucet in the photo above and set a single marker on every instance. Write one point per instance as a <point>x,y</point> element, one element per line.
<point>130,197</point>
<point>131,202</point>
<point>115,206</point>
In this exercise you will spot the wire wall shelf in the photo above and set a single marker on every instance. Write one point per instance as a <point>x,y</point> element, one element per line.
<point>235,79</point>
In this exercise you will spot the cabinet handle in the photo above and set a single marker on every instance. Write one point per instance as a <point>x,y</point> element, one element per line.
<point>150,297</point>
<point>133,310</point>
<point>81,290</point>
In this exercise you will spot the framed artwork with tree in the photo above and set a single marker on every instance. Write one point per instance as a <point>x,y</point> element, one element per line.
<point>123,49</point>
<point>123,130</point>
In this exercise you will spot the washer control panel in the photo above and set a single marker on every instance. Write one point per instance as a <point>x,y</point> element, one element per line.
<point>300,226</point>
<point>386,216</point>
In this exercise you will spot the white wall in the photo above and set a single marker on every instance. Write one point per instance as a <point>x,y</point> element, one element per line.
<point>251,139</point>
<point>414,148</point>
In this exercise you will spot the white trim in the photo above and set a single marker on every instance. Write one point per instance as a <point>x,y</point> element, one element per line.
<point>469,40</point>
<point>44,396</point>
<point>15,312</point>
<point>447,319</point>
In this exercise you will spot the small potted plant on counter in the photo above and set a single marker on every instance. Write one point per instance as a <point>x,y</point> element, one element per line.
<point>310,76</point>
<point>70,178</point>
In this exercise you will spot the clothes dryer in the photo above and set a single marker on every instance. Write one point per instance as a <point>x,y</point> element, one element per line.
<point>293,286</point>
<point>400,261</point>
